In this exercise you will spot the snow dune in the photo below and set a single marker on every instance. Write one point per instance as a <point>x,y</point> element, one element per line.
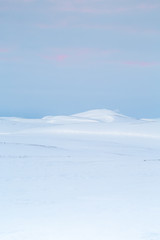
<point>93,175</point>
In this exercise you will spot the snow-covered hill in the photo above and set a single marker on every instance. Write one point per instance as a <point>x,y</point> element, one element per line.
<point>93,175</point>
<point>102,115</point>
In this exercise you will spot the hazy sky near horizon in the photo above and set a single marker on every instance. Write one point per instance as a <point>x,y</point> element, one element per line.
<point>68,56</point>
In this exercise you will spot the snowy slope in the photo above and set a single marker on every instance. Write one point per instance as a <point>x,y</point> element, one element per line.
<point>88,176</point>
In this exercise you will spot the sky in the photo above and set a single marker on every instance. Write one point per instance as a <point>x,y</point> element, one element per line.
<point>67,56</point>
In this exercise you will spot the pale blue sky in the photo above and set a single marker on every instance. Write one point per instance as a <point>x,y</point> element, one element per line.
<point>67,56</point>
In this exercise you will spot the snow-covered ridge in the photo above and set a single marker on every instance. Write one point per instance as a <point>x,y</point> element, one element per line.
<point>94,122</point>
<point>102,115</point>
<point>96,115</point>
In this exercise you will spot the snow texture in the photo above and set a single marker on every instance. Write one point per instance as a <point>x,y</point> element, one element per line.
<point>88,176</point>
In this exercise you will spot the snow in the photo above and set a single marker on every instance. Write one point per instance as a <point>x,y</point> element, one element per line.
<point>93,175</point>
<point>102,115</point>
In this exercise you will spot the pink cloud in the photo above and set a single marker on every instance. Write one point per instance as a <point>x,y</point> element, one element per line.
<point>61,58</point>
<point>141,63</point>
<point>103,8</point>
<point>78,55</point>
<point>133,63</point>
<point>4,50</point>
<point>93,56</point>
<point>20,1</point>
<point>57,57</point>
<point>148,6</point>
<point>121,28</point>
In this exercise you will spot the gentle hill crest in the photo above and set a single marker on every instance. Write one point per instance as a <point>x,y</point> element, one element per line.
<point>102,115</point>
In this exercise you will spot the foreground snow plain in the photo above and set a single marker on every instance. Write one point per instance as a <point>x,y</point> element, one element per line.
<point>89,176</point>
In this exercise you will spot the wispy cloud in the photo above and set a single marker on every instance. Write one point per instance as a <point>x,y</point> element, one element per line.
<point>141,63</point>
<point>4,50</point>
<point>93,56</point>
<point>134,63</point>
<point>93,7</point>
<point>61,58</point>
<point>73,23</point>
<point>74,55</point>
<point>18,1</point>
<point>101,7</point>
<point>57,57</point>
<point>146,6</point>
<point>14,5</point>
